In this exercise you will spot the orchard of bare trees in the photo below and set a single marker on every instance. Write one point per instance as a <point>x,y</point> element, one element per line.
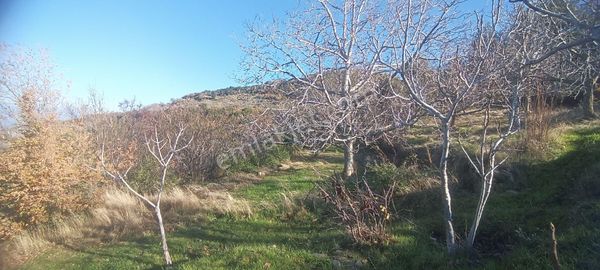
<point>364,68</point>
<point>355,75</point>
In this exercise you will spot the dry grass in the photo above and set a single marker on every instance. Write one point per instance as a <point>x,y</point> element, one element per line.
<point>292,207</point>
<point>205,200</point>
<point>121,215</point>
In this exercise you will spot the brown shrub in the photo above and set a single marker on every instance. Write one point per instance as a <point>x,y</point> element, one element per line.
<point>216,131</point>
<point>45,172</point>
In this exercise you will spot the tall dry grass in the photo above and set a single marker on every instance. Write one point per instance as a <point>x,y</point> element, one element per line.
<point>120,216</point>
<point>538,121</point>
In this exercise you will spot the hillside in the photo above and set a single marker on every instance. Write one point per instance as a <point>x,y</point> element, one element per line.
<point>262,95</point>
<point>286,225</point>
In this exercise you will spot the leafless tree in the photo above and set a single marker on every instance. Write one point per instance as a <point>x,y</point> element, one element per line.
<point>128,105</point>
<point>502,90</point>
<point>441,73</point>
<point>23,70</point>
<point>485,162</point>
<point>568,30</point>
<point>581,17</point>
<point>330,52</point>
<point>163,150</point>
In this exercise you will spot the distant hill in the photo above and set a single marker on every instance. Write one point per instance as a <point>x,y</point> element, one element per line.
<point>262,95</point>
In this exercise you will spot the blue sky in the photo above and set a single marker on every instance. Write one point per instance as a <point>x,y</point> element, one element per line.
<point>152,50</point>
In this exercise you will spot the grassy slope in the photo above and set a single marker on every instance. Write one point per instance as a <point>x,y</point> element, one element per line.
<point>564,189</point>
<point>269,239</point>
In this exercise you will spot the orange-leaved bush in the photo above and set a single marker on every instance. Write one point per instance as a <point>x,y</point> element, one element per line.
<point>46,171</point>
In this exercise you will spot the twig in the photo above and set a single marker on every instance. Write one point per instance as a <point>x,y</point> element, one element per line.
<point>554,251</point>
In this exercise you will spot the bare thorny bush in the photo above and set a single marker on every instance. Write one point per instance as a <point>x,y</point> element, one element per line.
<point>364,213</point>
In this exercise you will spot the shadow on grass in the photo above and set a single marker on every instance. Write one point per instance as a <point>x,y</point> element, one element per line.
<point>312,237</point>
<point>564,190</point>
<point>514,232</point>
<point>137,252</point>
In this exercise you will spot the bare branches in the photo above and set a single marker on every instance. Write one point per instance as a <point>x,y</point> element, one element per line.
<point>564,36</point>
<point>364,213</point>
<point>568,16</point>
<point>163,148</point>
<point>573,23</point>
<point>25,70</point>
<point>448,79</point>
<point>331,52</point>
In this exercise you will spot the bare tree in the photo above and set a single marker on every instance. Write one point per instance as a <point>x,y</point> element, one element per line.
<point>442,74</point>
<point>163,150</point>
<point>128,105</point>
<point>581,17</point>
<point>485,162</point>
<point>503,91</point>
<point>570,30</point>
<point>331,53</point>
<point>23,70</point>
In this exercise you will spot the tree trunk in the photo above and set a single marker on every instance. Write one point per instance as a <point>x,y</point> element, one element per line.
<point>475,226</point>
<point>447,199</point>
<point>527,107</point>
<point>588,100</point>
<point>349,159</point>
<point>163,237</point>
<point>554,251</point>
<point>516,105</point>
<point>486,189</point>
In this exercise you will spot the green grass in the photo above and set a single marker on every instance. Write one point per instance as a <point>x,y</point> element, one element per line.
<point>564,189</point>
<point>220,244</point>
<point>270,189</point>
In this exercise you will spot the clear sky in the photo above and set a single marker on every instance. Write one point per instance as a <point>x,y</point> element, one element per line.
<point>154,50</point>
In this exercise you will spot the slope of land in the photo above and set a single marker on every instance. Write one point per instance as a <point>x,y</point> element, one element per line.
<point>261,95</point>
<point>290,228</point>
